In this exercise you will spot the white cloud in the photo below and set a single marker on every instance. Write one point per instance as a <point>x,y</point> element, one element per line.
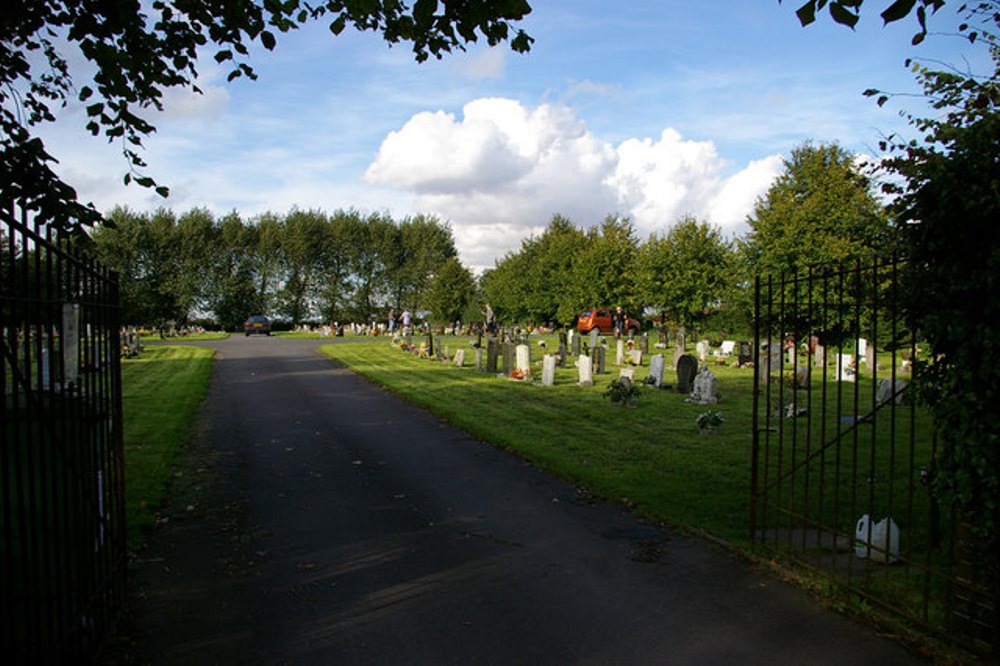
<point>502,170</point>
<point>490,63</point>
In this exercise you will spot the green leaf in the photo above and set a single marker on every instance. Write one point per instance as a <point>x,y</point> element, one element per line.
<point>843,16</point>
<point>807,13</point>
<point>85,93</point>
<point>163,191</point>
<point>897,10</point>
<point>268,40</point>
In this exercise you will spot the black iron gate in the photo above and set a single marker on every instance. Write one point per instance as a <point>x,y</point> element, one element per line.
<point>843,455</point>
<point>63,557</point>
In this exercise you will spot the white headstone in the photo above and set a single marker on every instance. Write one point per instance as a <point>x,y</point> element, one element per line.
<point>862,347</point>
<point>548,370</point>
<point>523,358</point>
<point>846,372</point>
<point>656,366</point>
<point>887,389</point>
<point>620,352</point>
<point>702,349</point>
<point>627,372</point>
<point>635,357</point>
<point>819,355</point>
<point>593,337</point>
<point>727,348</point>
<point>586,367</point>
<point>460,358</point>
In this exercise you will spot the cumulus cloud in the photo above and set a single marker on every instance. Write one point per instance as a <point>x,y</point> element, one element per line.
<point>502,170</point>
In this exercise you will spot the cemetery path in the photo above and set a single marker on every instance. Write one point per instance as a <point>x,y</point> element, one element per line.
<point>318,519</point>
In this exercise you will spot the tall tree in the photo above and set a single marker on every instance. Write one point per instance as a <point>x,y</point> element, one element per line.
<point>605,271</point>
<point>821,209</point>
<point>302,248</point>
<point>451,291</point>
<point>135,51</point>
<point>415,250</point>
<point>685,273</point>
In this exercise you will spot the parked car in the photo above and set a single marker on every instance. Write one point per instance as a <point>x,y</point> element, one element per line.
<point>600,318</point>
<point>257,324</point>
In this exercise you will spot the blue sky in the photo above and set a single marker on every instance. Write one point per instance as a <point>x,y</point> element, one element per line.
<point>649,109</point>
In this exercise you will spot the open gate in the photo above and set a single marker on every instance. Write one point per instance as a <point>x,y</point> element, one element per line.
<point>843,454</point>
<point>62,520</point>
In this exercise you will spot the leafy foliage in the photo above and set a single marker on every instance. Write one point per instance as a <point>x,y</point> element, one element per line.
<point>848,12</point>
<point>821,210</point>
<point>136,50</point>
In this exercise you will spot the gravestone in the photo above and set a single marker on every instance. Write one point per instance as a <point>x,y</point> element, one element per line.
<point>645,343</point>
<point>870,357</point>
<point>460,358</point>
<point>548,370</point>
<point>702,349</point>
<point>745,356</point>
<point>430,343</point>
<point>727,348</point>
<point>628,373</point>
<point>522,359</point>
<point>819,355</point>
<point>846,370</point>
<point>635,357</point>
<point>574,345</point>
<point>492,352</point>
<point>619,352</point>
<point>656,369</point>
<point>887,388</point>
<point>704,389</point>
<point>769,358</point>
<point>679,344</point>
<point>479,359</point>
<point>439,352</point>
<point>862,348</point>
<point>594,333</point>
<point>563,353</point>
<point>802,376</point>
<point>585,367</point>
<point>508,357</point>
<point>687,369</point>
<point>597,353</point>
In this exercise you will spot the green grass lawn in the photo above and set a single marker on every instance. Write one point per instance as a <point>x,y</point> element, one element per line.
<point>161,392</point>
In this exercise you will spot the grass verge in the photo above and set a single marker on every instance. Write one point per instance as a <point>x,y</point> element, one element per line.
<point>161,392</point>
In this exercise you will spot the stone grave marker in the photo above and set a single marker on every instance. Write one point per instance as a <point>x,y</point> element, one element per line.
<point>656,369</point>
<point>460,358</point>
<point>585,367</point>
<point>887,388</point>
<point>479,359</point>
<point>508,357</point>
<point>597,354</point>
<point>492,353</point>
<point>548,370</point>
<point>846,371</point>
<point>574,344</point>
<point>522,359</point>
<point>645,343</point>
<point>727,348</point>
<point>620,352</point>
<point>628,373</point>
<point>594,333</point>
<point>687,368</point>
<point>702,348</point>
<point>679,345</point>
<point>745,356</point>
<point>819,355</point>
<point>635,357</point>
<point>562,354</point>
<point>705,388</point>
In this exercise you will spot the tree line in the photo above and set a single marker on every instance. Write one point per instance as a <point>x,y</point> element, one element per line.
<point>311,266</point>
<point>304,266</point>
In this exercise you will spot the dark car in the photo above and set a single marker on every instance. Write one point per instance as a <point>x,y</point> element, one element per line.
<point>601,319</point>
<point>257,324</point>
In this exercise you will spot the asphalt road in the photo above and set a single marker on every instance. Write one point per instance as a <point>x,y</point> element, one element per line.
<point>320,520</point>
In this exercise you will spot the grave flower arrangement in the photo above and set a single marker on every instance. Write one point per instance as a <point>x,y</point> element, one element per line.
<point>622,391</point>
<point>518,374</point>
<point>709,421</point>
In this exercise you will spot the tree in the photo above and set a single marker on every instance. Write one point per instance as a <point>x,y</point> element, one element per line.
<point>685,273</point>
<point>452,289</point>
<point>604,274</point>
<point>302,247</point>
<point>848,12</point>
<point>419,245</point>
<point>822,209</point>
<point>947,210</point>
<point>137,50</point>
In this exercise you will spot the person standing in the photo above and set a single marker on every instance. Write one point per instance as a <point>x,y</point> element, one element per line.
<point>490,319</point>
<point>618,322</point>
<point>407,320</point>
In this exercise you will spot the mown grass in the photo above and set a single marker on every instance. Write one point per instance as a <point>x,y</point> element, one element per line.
<point>651,457</point>
<point>161,392</point>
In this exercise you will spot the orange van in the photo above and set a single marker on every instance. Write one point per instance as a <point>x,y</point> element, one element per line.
<point>600,318</point>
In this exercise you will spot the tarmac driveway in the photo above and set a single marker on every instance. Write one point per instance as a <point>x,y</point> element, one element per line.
<point>320,520</point>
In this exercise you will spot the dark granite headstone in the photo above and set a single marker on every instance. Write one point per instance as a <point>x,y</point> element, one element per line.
<point>492,352</point>
<point>745,353</point>
<point>687,369</point>
<point>576,345</point>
